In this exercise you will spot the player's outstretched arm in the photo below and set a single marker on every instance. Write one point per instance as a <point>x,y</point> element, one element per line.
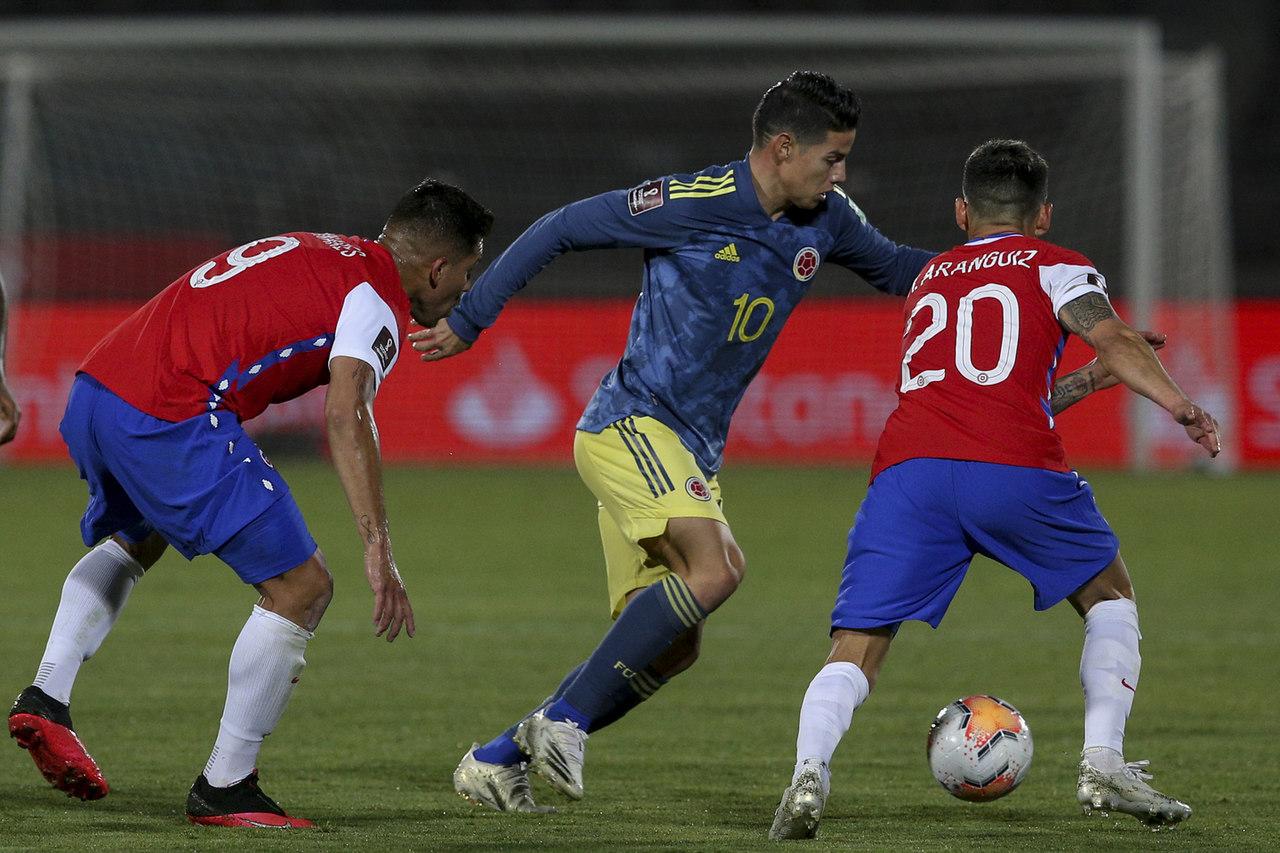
<point>859,246</point>
<point>9,413</point>
<point>1078,384</point>
<point>353,443</point>
<point>1130,359</point>
<point>611,220</point>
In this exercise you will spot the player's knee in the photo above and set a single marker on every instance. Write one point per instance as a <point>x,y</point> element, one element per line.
<point>734,570</point>
<point>864,648</point>
<point>1111,584</point>
<point>318,580</point>
<point>737,563</point>
<point>147,552</point>
<point>301,594</point>
<point>714,581</point>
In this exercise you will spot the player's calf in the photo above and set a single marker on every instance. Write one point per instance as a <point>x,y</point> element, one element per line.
<point>680,656</point>
<point>42,726</point>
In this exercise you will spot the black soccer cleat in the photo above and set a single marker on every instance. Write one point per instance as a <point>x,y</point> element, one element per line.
<point>243,804</point>
<point>35,701</point>
<point>42,726</point>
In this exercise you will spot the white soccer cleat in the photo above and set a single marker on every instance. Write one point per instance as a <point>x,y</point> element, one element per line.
<point>1126,790</point>
<point>502,787</point>
<point>801,807</point>
<point>556,749</point>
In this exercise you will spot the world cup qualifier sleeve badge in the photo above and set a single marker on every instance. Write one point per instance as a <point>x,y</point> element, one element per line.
<point>647,196</point>
<point>806,263</point>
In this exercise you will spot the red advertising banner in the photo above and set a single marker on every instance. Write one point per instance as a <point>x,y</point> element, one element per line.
<point>1257,347</point>
<point>821,398</point>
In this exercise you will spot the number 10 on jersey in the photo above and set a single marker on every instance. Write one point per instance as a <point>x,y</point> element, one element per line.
<point>937,305</point>
<point>749,323</point>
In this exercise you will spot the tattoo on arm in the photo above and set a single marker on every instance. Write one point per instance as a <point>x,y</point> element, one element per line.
<point>362,374</point>
<point>369,529</point>
<point>1085,312</point>
<point>1069,390</point>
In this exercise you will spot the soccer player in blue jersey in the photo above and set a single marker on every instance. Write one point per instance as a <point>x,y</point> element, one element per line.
<point>729,252</point>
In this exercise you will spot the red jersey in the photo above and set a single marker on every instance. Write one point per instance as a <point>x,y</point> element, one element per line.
<point>980,351</point>
<point>256,325</point>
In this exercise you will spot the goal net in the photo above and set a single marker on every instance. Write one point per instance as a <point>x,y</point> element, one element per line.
<point>130,150</point>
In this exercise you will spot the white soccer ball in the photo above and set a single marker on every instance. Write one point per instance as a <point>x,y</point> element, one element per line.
<point>979,748</point>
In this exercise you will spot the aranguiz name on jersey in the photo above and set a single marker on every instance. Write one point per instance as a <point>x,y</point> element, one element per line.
<point>1021,258</point>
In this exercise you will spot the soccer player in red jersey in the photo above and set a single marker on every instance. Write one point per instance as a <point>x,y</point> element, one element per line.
<point>153,423</point>
<point>969,463</point>
<point>9,412</point>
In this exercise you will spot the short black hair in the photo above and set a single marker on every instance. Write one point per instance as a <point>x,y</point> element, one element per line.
<point>441,214</point>
<point>1006,180</point>
<point>806,104</point>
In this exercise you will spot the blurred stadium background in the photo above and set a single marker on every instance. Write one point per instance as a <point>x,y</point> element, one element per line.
<point>133,146</point>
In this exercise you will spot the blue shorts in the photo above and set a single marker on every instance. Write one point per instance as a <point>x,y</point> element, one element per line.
<point>923,520</point>
<point>202,483</point>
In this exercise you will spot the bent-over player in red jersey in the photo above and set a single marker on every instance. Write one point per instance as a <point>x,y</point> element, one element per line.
<point>969,463</point>
<point>153,423</point>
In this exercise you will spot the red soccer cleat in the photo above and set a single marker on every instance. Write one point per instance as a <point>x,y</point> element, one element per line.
<point>42,726</point>
<point>243,805</point>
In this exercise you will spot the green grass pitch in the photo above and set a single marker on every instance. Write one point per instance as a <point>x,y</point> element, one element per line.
<point>506,578</point>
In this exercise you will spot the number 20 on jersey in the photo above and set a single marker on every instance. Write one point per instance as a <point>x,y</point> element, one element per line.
<point>936,303</point>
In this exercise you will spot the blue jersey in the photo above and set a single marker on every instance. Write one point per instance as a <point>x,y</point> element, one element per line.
<point>720,279</point>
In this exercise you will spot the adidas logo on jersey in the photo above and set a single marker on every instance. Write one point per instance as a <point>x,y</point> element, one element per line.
<point>729,253</point>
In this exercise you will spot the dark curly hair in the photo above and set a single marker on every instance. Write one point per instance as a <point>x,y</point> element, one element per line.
<point>441,214</point>
<point>1005,179</point>
<point>806,104</point>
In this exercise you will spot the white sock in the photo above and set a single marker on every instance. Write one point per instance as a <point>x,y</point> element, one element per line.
<point>1109,666</point>
<point>92,597</point>
<point>833,695</point>
<point>266,662</point>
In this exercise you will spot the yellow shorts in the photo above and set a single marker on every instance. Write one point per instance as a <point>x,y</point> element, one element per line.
<point>641,475</point>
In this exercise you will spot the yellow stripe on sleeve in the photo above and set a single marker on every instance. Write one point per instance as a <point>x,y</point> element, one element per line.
<point>703,193</point>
